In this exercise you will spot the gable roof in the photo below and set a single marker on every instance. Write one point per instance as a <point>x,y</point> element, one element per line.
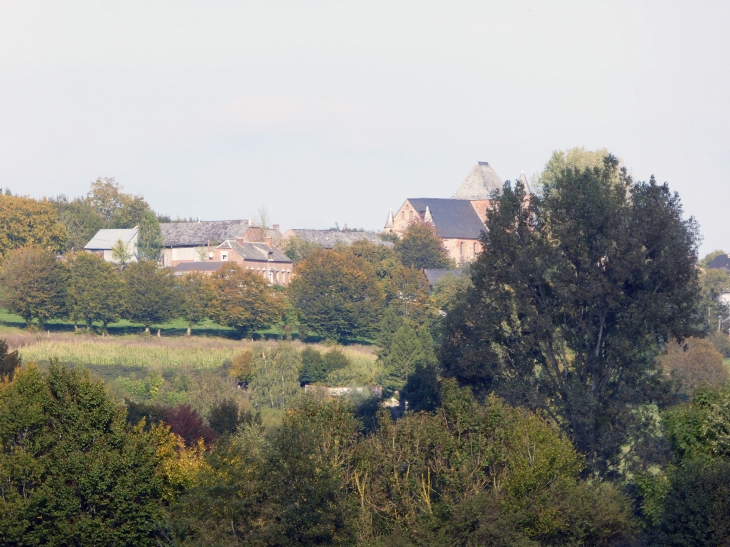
<point>107,238</point>
<point>192,234</point>
<point>433,275</point>
<point>720,262</point>
<point>208,266</point>
<point>479,183</point>
<point>329,238</point>
<point>453,218</point>
<point>255,251</point>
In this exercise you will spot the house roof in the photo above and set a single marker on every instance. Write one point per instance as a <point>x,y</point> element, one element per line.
<point>106,239</point>
<point>453,218</point>
<point>192,234</point>
<point>329,238</point>
<point>523,179</point>
<point>255,251</point>
<point>479,183</point>
<point>719,262</point>
<point>434,275</point>
<point>208,266</point>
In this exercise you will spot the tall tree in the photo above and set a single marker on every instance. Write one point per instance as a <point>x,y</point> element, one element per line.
<point>119,210</point>
<point>337,295</point>
<point>244,300</point>
<point>26,222</point>
<point>72,472</point>
<point>96,291</point>
<point>81,220</point>
<point>34,285</point>
<point>571,298</point>
<point>420,247</point>
<point>149,240</point>
<point>196,296</point>
<point>152,294</point>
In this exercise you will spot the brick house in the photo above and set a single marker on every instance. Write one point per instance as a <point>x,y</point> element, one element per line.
<point>262,258</point>
<point>459,220</point>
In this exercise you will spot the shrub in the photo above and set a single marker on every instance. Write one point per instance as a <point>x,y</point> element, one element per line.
<point>187,423</point>
<point>694,363</point>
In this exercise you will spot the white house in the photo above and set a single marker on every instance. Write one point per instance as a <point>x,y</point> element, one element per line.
<point>104,240</point>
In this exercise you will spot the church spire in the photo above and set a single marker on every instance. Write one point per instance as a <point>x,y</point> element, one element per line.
<point>523,180</point>
<point>390,222</point>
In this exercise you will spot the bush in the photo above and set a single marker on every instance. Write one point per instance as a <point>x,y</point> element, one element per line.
<point>9,361</point>
<point>187,423</point>
<point>225,417</point>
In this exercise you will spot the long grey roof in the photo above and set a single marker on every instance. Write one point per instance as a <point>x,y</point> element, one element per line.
<point>190,234</point>
<point>479,183</point>
<point>720,262</point>
<point>329,238</point>
<point>453,218</point>
<point>255,251</point>
<point>207,266</point>
<point>107,238</point>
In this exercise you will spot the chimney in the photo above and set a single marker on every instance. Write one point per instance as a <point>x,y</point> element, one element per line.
<point>240,240</point>
<point>275,227</point>
<point>268,241</point>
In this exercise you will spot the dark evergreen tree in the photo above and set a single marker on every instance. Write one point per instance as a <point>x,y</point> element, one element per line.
<point>9,361</point>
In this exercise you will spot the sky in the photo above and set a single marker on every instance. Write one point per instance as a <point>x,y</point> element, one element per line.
<point>334,112</point>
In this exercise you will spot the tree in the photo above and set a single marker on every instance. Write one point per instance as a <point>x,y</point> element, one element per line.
<point>187,423</point>
<point>449,289</point>
<point>121,253</point>
<point>119,210</point>
<point>572,295</point>
<point>337,295</point>
<point>72,472</point>
<point>152,294</point>
<point>709,257</point>
<point>34,285</point>
<point>196,297</point>
<point>574,158</point>
<point>9,362</point>
<point>149,239</point>
<point>420,247</point>
<point>225,417</point>
<point>80,219</point>
<point>298,249</point>
<point>244,300</point>
<point>26,222</point>
<point>96,291</point>
<point>694,363</point>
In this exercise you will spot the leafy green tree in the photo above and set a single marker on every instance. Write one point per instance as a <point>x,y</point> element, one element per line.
<point>72,472</point>
<point>449,289</point>
<point>119,210</point>
<point>225,417</point>
<point>695,363</point>
<point>197,294</point>
<point>121,253</point>
<point>714,283</point>
<point>81,220</point>
<point>572,295</point>
<point>34,285</point>
<point>149,239</point>
<point>410,348</point>
<point>152,293</point>
<point>574,158</point>
<point>9,361</point>
<point>244,300</point>
<point>26,222</point>
<point>337,295</point>
<point>313,370</point>
<point>298,249</point>
<point>420,247</point>
<point>96,291</point>
<point>274,376</point>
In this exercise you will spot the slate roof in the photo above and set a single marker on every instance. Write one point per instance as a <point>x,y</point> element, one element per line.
<point>329,238</point>
<point>105,239</point>
<point>193,234</point>
<point>434,275</point>
<point>479,183</point>
<point>453,218</point>
<point>208,266</point>
<point>719,262</point>
<point>255,251</point>
<point>523,179</point>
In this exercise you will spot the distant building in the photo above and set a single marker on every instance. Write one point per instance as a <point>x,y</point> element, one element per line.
<point>261,258</point>
<point>720,262</point>
<point>459,220</point>
<point>329,238</point>
<point>195,241</point>
<point>104,240</point>
<point>434,275</point>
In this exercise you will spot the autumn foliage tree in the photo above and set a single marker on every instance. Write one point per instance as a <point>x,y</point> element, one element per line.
<point>420,247</point>
<point>337,295</point>
<point>243,300</point>
<point>695,362</point>
<point>26,222</point>
<point>33,284</point>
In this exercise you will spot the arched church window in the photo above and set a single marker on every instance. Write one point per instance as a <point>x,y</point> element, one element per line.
<point>461,249</point>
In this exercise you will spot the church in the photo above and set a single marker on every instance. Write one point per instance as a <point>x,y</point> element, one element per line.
<point>459,221</point>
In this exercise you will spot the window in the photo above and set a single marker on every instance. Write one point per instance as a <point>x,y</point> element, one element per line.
<point>403,215</point>
<point>475,249</point>
<point>410,215</point>
<point>224,257</point>
<point>461,249</point>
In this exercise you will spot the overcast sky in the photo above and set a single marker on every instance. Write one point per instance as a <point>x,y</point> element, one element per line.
<point>327,112</point>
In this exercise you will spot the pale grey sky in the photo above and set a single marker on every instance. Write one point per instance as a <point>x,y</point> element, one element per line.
<point>331,112</point>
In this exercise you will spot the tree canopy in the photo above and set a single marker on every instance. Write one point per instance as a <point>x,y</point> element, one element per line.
<point>152,294</point>
<point>337,295</point>
<point>97,292</point>
<point>26,222</point>
<point>420,247</point>
<point>149,239</point>
<point>572,296</point>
